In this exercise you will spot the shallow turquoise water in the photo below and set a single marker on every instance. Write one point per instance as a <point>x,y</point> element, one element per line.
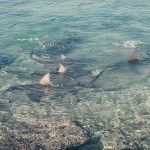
<point>101,33</point>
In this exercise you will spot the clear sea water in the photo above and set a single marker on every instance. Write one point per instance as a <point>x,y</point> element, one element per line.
<point>103,33</point>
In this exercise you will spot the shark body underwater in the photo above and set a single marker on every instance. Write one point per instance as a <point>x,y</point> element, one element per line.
<point>45,86</point>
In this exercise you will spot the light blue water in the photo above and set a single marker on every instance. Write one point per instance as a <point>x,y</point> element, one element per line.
<point>103,33</point>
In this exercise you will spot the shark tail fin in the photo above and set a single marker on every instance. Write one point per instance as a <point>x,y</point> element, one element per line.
<point>31,54</point>
<point>97,76</point>
<point>134,57</point>
<point>45,80</point>
<point>63,57</point>
<point>32,57</point>
<point>62,69</point>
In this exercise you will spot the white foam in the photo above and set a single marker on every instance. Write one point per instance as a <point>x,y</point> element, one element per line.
<point>28,39</point>
<point>131,43</point>
<point>116,44</point>
<point>41,44</point>
<point>32,40</point>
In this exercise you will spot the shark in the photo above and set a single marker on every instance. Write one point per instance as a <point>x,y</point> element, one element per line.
<point>103,78</point>
<point>132,64</point>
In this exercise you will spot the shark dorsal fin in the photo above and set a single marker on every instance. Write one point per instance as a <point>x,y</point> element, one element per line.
<point>62,57</point>
<point>45,80</point>
<point>133,57</point>
<point>62,69</point>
